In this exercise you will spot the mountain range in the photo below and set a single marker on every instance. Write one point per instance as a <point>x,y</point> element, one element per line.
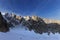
<point>38,24</point>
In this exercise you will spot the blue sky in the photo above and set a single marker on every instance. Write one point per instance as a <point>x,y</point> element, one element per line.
<point>43,8</point>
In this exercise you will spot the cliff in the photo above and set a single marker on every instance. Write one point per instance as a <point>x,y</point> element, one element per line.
<point>3,24</point>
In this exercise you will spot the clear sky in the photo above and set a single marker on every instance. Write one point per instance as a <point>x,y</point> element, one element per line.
<point>43,8</point>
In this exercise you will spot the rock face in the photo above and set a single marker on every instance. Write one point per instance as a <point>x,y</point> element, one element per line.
<point>3,24</point>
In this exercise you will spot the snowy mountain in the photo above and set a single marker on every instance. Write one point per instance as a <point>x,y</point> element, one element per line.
<point>32,23</point>
<point>27,28</point>
<point>35,23</point>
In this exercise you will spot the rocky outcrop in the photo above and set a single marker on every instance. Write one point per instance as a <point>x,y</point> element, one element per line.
<point>3,24</point>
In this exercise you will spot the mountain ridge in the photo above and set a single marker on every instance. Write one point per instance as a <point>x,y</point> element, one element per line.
<point>46,20</point>
<point>39,25</point>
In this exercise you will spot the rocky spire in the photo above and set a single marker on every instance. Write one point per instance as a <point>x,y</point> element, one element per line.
<point>3,24</point>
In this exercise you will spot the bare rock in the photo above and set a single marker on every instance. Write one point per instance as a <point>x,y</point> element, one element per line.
<point>3,24</point>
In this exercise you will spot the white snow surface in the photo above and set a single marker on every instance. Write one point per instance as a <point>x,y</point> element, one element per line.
<point>22,34</point>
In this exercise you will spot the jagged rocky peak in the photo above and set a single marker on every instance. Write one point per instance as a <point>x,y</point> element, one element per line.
<point>27,18</point>
<point>18,17</point>
<point>13,15</point>
<point>3,24</point>
<point>35,18</point>
<point>10,15</point>
<point>7,15</point>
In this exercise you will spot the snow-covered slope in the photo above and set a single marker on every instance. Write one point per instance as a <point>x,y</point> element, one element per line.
<point>22,34</point>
